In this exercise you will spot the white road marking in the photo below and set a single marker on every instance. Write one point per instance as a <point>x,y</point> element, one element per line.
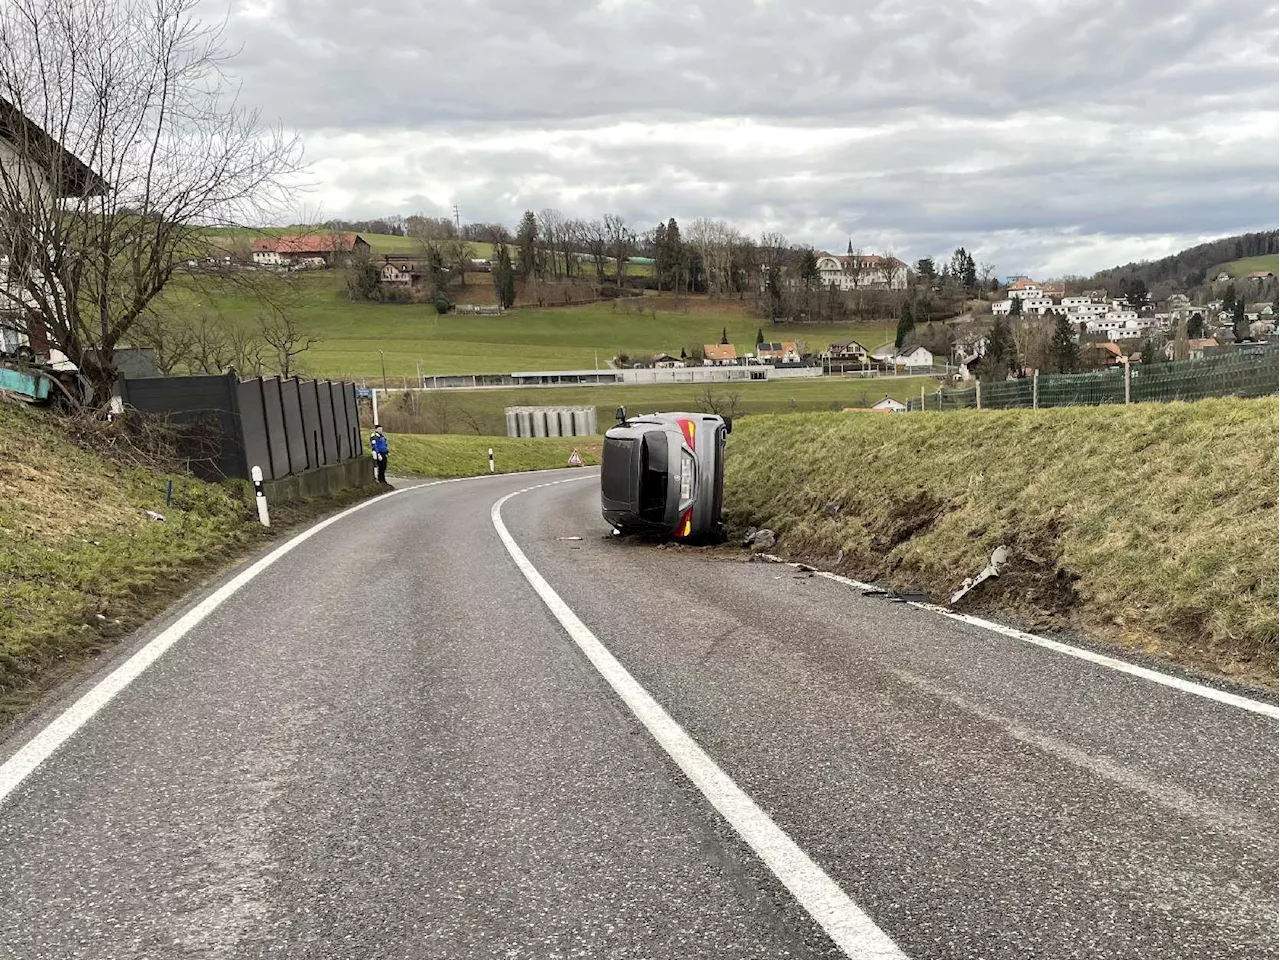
<point>844,922</point>
<point>1101,659</point>
<point>41,746</point>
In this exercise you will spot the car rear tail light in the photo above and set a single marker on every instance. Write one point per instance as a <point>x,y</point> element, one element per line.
<point>685,524</point>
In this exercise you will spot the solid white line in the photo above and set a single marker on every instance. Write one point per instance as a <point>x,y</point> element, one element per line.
<point>844,922</point>
<point>41,746</point>
<point>1101,659</point>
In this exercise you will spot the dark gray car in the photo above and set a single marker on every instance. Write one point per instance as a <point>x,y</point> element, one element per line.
<point>663,474</point>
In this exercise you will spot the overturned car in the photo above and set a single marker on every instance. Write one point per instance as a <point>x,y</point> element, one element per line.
<point>663,475</point>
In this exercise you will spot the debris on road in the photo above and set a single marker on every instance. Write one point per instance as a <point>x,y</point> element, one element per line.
<point>763,539</point>
<point>568,538</point>
<point>152,515</point>
<point>999,556</point>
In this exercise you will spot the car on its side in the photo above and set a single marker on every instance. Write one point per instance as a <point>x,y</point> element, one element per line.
<point>663,475</point>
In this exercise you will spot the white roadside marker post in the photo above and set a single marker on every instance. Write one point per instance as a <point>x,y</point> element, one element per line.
<point>375,406</point>
<point>260,496</point>
<point>491,459</point>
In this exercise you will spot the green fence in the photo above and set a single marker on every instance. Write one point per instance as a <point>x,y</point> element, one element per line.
<point>1248,371</point>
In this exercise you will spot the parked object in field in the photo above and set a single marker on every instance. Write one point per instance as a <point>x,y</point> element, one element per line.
<point>663,474</point>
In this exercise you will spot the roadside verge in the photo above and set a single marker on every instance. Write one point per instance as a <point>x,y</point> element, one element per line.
<point>1152,526</point>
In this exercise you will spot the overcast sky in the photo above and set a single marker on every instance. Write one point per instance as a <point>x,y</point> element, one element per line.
<point>1047,136</point>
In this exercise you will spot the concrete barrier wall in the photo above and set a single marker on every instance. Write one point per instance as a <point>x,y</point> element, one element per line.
<point>331,478</point>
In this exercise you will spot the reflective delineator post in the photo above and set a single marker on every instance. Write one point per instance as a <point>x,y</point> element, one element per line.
<point>260,496</point>
<point>491,459</point>
<point>1126,381</point>
<point>1035,389</point>
<point>977,386</point>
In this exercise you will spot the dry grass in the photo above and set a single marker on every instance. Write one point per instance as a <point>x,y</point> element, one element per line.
<point>1152,526</point>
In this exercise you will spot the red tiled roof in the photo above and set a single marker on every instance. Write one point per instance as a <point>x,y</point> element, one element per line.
<point>318,243</point>
<point>720,351</point>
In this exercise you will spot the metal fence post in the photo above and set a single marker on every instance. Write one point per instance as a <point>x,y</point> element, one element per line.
<point>1035,389</point>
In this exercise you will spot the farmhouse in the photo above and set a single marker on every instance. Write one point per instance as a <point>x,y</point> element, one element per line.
<point>399,274</point>
<point>333,249</point>
<point>890,405</point>
<point>846,350</point>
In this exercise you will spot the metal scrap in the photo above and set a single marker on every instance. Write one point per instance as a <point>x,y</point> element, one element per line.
<point>999,557</point>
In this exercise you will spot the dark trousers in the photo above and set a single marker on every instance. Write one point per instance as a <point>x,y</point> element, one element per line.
<point>382,468</point>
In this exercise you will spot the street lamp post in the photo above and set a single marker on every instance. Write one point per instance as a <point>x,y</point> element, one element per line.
<point>382,355</point>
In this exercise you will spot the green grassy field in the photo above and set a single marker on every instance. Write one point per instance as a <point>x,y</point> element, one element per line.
<point>353,333</point>
<point>457,456</point>
<point>1241,268</point>
<point>1152,525</point>
<point>482,411</point>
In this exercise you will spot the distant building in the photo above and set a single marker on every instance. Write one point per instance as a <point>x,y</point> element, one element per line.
<point>916,358</point>
<point>889,404</point>
<point>719,354</point>
<point>856,271</point>
<point>333,249</point>
<point>846,350</point>
<point>778,352</point>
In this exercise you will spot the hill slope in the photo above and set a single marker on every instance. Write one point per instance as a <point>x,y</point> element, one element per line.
<point>1191,267</point>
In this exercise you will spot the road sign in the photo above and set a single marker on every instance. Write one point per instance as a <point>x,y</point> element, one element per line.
<point>575,458</point>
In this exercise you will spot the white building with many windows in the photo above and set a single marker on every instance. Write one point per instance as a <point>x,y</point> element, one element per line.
<point>856,271</point>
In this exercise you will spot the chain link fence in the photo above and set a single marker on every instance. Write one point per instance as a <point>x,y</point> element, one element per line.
<point>1251,370</point>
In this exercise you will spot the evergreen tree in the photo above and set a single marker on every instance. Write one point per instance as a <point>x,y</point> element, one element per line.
<point>1002,355</point>
<point>1240,322</point>
<point>527,241</point>
<point>1148,353</point>
<point>759,336</point>
<point>906,323</point>
<point>1015,306</point>
<point>927,272</point>
<point>808,266</point>
<point>724,335</point>
<point>661,254</point>
<point>675,255</point>
<point>1195,326</point>
<point>504,281</point>
<point>1062,348</point>
<point>684,354</point>
<point>970,274</point>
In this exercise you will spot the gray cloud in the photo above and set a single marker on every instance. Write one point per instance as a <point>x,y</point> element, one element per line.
<point>1040,134</point>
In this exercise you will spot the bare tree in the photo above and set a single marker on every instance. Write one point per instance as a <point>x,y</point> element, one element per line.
<point>281,332</point>
<point>719,404</point>
<point>596,240</point>
<point>551,224</point>
<point>620,241</point>
<point>126,145</point>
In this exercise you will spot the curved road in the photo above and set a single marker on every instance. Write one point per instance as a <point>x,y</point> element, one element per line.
<point>386,744</point>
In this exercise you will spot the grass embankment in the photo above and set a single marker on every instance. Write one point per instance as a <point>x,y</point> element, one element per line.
<point>458,456</point>
<point>81,564</point>
<point>457,410</point>
<point>1152,526</point>
<point>563,338</point>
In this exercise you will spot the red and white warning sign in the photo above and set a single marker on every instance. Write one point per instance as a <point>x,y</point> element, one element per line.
<point>575,458</point>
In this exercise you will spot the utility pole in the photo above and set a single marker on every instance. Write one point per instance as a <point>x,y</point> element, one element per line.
<point>383,357</point>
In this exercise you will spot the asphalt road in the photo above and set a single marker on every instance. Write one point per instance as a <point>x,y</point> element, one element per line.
<point>385,745</point>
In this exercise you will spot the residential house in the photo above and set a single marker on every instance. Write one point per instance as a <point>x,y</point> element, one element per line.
<point>1260,275</point>
<point>1054,288</point>
<point>847,350</point>
<point>889,405</point>
<point>39,168</point>
<point>1222,277</point>
<point>1261,309</point>
<point>856,271</point>
<point>1095,355</point>
<point>1022,288</point>
<point>665,361</point>
<point>778,352</point>
<point>1195,348</point>
<point>885,353</point>
<point>917,358</point>
<point>399,274</point>
<point>719,354</point>
<point>334,249</point>
<point>1177,300</point>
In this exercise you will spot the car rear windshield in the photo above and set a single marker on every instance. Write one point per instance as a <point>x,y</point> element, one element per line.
<point>653,477</point>
<point>615,470</point>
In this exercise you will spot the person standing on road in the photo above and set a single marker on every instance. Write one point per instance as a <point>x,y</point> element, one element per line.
<point>378,444</point>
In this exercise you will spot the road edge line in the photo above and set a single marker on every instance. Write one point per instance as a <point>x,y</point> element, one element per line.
<point>852,930</point>
<point>45,742</point>
<point>1101,659</point>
